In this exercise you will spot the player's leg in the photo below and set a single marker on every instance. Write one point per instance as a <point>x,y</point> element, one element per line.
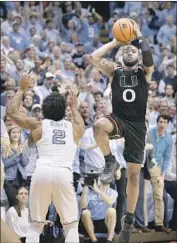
<point>110,222</point>
<point>134,154</point>
<point>133,178</point>
<point>64,199</point>
<point>103,128</point>
<point>40,199</point>
<point>121,199</point>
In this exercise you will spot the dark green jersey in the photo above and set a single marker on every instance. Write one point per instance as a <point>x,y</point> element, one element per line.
<point>129,94</point>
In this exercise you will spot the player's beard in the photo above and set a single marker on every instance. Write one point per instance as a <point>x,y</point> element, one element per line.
<point>130,63</point>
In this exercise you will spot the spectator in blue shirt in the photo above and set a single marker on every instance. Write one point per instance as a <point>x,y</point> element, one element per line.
<point>17,39</point>
<point>93,45</point>
<point>90,26</point>
<point>17,74</point>
<point>166,32</point>
<point>170,10</point>
<point>130,7</point>
<point>98,213</point>
<point>15,161</point>
<point>162,144</point>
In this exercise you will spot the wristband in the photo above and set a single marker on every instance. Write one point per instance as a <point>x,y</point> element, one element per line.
<point>146,52</point>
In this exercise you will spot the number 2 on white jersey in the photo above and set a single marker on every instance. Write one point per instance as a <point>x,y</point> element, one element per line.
<point>58,137</point>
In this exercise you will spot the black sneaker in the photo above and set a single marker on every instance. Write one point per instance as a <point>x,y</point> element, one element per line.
<point>126,231</point>
<point>109,171</point>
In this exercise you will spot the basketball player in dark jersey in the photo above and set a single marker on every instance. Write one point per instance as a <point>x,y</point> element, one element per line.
<point>129,83</point>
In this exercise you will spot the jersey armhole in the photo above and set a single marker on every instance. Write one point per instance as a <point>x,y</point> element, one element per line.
<point>42,136</point>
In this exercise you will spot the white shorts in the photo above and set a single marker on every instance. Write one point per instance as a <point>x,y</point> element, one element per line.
<point>53,184</point>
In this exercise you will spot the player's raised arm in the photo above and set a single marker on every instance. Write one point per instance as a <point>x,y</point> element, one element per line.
<point>78,122</point>
<point>13,107</point>
<point>105,66</point>
<point>146,53</point>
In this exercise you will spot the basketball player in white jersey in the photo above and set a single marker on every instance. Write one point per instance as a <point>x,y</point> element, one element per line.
<point>52,180</point>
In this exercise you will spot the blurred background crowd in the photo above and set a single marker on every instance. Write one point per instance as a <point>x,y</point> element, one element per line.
<point>55,40</point>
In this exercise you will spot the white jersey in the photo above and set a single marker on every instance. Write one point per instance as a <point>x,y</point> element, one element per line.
<point>56,147</point>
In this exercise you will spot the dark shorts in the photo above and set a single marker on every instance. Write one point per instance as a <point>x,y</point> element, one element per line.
<point>99,227</point>
<point>134,134</point>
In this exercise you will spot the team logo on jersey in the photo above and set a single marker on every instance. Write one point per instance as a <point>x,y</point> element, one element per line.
<point>134,81</point>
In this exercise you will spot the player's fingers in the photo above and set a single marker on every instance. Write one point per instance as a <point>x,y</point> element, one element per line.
<point>72,93</point>
<point>30,76</point>
<point>27,73</point>
<point>24,76</point>
<point>135,25</point>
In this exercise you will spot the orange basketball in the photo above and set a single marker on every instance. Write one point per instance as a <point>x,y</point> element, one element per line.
<point>123,30</point>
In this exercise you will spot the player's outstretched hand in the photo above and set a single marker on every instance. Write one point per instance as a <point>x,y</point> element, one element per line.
<point>72,98</point>
<point>26,80</point>
<point>136,28</point>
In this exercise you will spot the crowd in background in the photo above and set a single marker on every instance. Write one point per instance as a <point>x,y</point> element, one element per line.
<point>55,40</point>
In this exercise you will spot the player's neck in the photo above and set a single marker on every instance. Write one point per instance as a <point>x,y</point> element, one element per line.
<point>131,67</point>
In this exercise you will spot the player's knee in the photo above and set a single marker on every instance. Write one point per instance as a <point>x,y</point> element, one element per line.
<point>133,178</point>
<point>98,125</point>
<point>101,125</point>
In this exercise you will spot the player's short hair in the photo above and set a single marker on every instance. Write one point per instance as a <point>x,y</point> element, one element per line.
<point>130,47</point>
<point>54,106</point>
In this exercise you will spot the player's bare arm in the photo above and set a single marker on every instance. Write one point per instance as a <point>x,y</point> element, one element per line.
<point>78,122</point>
<point>88,70</point>
<point>13,107</point>
<point>146,53</point>
<point>105,66</point>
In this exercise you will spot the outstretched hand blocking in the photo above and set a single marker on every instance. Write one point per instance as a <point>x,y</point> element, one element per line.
<point>26,80</point>
<point>72,98</point>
